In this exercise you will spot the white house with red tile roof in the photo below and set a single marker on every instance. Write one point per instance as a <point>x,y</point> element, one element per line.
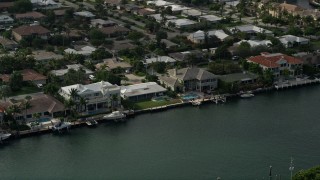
<point>277,63</point>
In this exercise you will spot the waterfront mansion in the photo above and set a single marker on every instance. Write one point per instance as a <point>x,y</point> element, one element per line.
<point>96,97</point>
<point>278,63</point>
<point>189,79</point>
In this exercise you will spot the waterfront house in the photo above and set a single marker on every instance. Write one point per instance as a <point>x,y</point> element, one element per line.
<point>198,37</point>
<point>277,63</point>
<point>310,58</point>
<point>99,97</point>
<point>28,75</point>
<point>241,78</point>
<point>45,105</point>
<point>189,79</point>
<point>30,31</point>
<point>290,40</point>
<point>142,91</point>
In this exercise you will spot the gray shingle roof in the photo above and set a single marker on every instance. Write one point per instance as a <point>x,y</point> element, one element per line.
<point>191,73</point>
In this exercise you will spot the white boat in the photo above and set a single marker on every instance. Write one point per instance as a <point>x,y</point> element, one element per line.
<point>4,136</point>
<point>61,126</point>
<point>91,122</point>
<point>247,95</point>
<point>114,115</point>
<point>196,103</point>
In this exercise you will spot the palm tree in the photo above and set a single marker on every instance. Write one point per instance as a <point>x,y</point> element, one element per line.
<point>83,102</point>
<point>36,116</point>
<point>114,100</point>
<point>26,105</point>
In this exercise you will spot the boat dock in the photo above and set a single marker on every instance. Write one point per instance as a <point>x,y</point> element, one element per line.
<point>298,82</point>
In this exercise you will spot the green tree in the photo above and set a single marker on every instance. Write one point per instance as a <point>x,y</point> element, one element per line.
<point>21,6</point>
<point>15,81</point>
<point>100,53</point>
<point>135,36</point>
<point>96,37</point>
<point>161,35</point>
<point>308,174</point>
<point>159,67</point>
<point>244,49</point>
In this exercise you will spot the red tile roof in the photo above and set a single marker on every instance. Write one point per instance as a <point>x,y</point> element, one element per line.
<point>2,109</point>
<point>270,60</point>
<point>4,5</point>
<point>29,30</point>
<point>27,74</point>
<point>33,15</point>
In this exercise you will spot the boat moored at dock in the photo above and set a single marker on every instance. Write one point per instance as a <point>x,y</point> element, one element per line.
<point>92,122</point>
<point>115,116</point>
<point>61,126</point>
<point>4,136</point>
<point>248,94</point>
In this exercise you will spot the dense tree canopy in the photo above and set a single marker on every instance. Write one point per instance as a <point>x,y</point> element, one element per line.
<point>21,6</point>
<point>309,174</point>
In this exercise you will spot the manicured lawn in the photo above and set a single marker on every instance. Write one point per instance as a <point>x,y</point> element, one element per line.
<point>26,90</point>
<point>316,44</point>
<point>151,104</point>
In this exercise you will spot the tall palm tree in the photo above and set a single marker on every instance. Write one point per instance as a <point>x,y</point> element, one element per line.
<point>74,93</point>
<point>83,102</point>
<point>26,105</point>
<point>114,100</point>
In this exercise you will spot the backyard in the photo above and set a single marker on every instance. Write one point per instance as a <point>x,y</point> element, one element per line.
<point>150,104</point>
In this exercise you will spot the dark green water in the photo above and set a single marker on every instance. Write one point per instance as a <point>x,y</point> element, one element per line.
<point>237,140</point>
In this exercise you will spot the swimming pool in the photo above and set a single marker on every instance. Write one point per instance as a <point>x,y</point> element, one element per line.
<point>160,98</point>
<point>189,96</point>
<point>44,119</point>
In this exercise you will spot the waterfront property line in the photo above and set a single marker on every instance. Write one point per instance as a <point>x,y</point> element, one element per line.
<point>296,83</point>
<point>212,99</point>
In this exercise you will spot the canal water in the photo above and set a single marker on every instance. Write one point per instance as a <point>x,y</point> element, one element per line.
<point>236,140</point>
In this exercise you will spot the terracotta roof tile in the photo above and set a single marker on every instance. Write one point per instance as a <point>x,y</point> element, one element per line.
<point>29,30</point>
<point>270,60</point>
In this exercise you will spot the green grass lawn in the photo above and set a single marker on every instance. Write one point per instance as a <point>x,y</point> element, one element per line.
<point>151,104</point>
<point>315,44</point>
<point>26,90</point>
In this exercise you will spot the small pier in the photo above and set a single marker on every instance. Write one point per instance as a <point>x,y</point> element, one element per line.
<point>296,83</point>
<point>218,99</point>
